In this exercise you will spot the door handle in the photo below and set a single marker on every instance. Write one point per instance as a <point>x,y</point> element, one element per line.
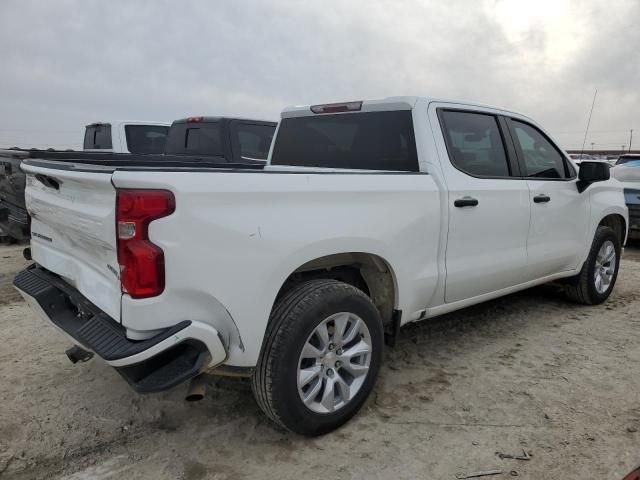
<point>541,198</point>
<point>48,181</point>
<point>465,202</point>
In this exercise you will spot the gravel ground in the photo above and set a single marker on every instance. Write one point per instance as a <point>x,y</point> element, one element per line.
<point>526,372</point>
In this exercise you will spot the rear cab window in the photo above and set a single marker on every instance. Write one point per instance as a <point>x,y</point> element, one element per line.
<point>362,141</point>
<point>197,138</point>
<point>254,139</point>
<point>146,138</point>
<point>97,136</point>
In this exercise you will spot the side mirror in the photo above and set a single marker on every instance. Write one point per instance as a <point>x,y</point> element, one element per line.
<point>591,172</point>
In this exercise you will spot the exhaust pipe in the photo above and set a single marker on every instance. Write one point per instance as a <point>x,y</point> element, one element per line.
<point>197,389</point>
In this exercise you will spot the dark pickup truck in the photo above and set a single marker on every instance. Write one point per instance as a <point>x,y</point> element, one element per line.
<point>202,140</point>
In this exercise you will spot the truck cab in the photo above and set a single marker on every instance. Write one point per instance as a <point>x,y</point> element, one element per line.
<point>236,140</point>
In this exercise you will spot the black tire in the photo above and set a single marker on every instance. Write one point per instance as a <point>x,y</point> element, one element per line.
<point>581,288</point>
<point>293,319</point>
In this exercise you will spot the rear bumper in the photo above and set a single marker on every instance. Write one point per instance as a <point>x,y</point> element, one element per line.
<point>156,364</point>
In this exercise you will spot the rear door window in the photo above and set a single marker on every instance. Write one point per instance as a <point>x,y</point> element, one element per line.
<point>474,143</point>
<point>203,138</point>
<point>254,140</point>
<point>97,137</point>
<point>146,138</point>
<point>364,141</point>
<point>541,158</point>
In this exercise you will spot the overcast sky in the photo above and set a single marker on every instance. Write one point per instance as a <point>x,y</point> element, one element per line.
<point>64,64</point>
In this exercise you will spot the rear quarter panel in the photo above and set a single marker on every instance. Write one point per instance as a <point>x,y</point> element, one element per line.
<point>235,237</point>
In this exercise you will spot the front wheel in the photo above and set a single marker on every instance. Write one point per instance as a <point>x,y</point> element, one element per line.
<point>598,275</point>
<point>321,357</point>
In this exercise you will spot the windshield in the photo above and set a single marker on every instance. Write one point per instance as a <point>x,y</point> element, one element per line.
<point>146,138</point>
<point>255,140</point>
<point>98,137</point>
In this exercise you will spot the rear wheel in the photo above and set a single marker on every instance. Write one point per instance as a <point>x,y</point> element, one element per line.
<point>321,357</point>
<point>598,276</point>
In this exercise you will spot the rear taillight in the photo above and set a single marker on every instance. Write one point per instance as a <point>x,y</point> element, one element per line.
<point>141,262</point>
<point>635,475</point>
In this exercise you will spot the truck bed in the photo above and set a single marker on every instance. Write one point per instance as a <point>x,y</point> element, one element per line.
<point>14,220</point>
<point>98,158</point>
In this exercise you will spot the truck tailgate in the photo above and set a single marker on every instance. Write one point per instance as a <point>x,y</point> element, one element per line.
<point>73,230</point>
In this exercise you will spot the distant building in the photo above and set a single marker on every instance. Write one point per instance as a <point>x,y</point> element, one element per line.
<point>604,152</point>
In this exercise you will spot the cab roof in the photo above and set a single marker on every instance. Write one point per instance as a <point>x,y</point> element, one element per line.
<point>209,119</point>
<point>388,103</point>
<point>128,122</point>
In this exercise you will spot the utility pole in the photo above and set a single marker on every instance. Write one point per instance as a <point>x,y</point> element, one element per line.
<point>592,145</point>
<point>630,138</point>
<point>586,131</point>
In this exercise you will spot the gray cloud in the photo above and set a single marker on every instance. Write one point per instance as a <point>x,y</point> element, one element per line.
<point>66,63</point>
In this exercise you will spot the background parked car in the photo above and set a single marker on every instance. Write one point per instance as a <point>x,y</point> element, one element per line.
<point>579,157</point>
<point>627,171</point>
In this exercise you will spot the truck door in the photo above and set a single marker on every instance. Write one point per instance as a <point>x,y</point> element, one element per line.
<point>488,205</point>
<point>559,213</point>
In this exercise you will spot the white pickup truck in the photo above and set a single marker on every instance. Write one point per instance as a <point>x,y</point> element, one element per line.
<point>368,215</point>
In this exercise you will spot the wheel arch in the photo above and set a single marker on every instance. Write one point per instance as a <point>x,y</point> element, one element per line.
<point>613,217</point>
<point>617,223</point>
<point>369,272</point>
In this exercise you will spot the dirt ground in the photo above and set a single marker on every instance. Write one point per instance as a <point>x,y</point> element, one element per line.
<point>527,372</point>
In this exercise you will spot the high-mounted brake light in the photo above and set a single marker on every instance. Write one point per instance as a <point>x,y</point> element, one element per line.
<point>141,262</point>
<point>194,119</point>
<point>337,107</point>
